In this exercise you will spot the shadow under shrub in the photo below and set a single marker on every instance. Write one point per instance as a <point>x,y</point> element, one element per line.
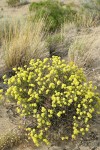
<point>54,43</point>
<point>54,12</point>
<point>54,99</point>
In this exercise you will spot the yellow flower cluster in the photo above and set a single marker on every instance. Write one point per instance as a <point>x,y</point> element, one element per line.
<point>1,94</point>
<point>50,92</point>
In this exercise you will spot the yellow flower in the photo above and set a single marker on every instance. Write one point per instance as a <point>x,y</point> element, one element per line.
<point>58,82</point>
<point>47,91</point>
<point>50,111</point>
<point>45,60</point>
<point>87,129</point>
<point>78,93</point>
<point>70,101</point>
<point>18,102</point>
<point>36,96</point>
<point>43,109</point>
<point>82,129</point>
<point>43,121</point>
<point>48,123</point>
<point>73,136</point>
<point>43,115</point>
<point>63,86</point>
<point>76,131</point>
<point>59,113</point>
<point>28,129</point>
<point>46,141</point>
<point>55,79</point>
<point>18,110</point>
<point>63,138</point>
<point>89,115</point>
<point>5,76</point>
<point>29,91</point>
<point>1,91</point>
<point>35,141</point>
<point>52,85</point>
<point>35,111</point>
<point>74,117</point>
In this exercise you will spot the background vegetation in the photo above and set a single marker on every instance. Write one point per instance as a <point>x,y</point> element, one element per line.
<point>54,12</point>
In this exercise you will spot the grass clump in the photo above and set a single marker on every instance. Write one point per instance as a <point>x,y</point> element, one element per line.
<point>23,41</point>
<point>85,21</point>
<point>10,139</point>
<point>54,99</point>
<point>54,12</point>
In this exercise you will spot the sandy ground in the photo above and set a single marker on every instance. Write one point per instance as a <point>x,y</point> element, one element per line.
<point>10,12</point>
<point>5,123</point>
<point>7,12</point>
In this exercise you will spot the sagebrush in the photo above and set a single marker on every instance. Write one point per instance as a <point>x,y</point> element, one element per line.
<point>55,13</point>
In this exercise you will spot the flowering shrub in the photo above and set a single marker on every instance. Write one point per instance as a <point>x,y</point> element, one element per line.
<point>53,98</point>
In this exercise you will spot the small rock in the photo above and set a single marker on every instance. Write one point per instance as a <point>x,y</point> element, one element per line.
<point>93,144</point>
<point>55,148</point>
<point>84,148</point>
<point>98,148</point>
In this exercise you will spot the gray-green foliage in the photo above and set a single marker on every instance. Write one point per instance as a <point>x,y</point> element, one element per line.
<point>54,12</point>
<point>93,5</point>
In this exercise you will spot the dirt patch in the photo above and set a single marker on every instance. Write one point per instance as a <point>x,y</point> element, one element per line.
<point>10,12</point>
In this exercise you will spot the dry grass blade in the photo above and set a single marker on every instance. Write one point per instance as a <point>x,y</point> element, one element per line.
<point>84,20</point>
<point>85,50</point>
<point>11,138</point>
<point>24,41</point>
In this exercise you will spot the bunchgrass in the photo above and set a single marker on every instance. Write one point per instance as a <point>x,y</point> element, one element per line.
<point>23,41</point>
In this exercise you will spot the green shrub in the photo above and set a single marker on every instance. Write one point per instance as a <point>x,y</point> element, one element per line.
<point>13,3</point>
<point>53,98</point>
<point>54,12</point>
